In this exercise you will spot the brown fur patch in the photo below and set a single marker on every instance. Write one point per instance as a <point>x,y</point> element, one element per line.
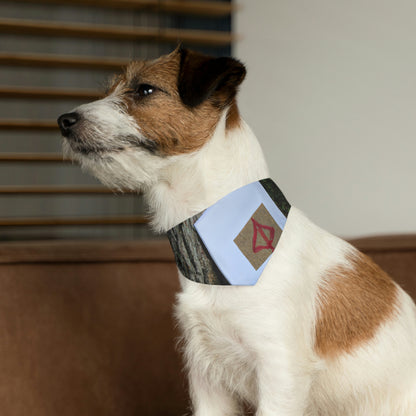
<point>162,117</point>
<point>353,303</point>
<point>233,116</point>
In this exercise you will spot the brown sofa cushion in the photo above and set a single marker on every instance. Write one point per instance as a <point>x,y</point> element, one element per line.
<point>86,328</point>
<point>91,335</point>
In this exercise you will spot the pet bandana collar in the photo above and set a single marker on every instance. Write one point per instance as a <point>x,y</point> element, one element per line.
<point>231,242</point>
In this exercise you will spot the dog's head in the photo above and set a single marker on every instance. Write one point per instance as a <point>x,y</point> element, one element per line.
<point>153,112</point>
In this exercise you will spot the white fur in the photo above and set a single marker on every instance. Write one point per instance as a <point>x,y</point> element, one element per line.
<point>107,124</point>
<point>257,343</point>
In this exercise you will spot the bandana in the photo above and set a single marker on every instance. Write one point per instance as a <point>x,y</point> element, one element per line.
<point>231,242</point>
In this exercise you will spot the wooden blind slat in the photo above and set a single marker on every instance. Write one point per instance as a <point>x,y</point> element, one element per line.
<point>48,93</point>
<point>56,61</point>
<point>28,125</point>
<point>59,190</point>
<point>45,28</point>
<point>31,157</point>
<point>202,8</point>
<point>31,222</point>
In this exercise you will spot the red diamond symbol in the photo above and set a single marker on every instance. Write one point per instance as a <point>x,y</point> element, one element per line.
<point>262,229</point>
<point>259,237</point>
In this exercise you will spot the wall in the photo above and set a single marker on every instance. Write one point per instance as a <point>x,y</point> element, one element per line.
<point>331,95</point>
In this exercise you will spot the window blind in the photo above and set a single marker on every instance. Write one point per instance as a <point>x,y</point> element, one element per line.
<point>55,55</point>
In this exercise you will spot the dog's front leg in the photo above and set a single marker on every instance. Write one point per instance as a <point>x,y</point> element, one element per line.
<point>209,399</point>
<point>282,386</point>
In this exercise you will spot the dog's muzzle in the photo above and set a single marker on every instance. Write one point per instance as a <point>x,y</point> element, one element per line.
<point>67,123</point>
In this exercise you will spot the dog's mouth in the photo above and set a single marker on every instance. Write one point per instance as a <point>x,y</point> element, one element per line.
<point>82,137</point>
<point>79,145</point>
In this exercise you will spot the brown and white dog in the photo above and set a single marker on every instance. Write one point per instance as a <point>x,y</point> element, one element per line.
<point>324,332</point>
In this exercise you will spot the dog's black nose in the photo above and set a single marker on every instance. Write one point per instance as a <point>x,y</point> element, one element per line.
<point>67,121</point>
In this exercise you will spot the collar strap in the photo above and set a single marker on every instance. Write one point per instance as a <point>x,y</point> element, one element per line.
<point>231,242</point>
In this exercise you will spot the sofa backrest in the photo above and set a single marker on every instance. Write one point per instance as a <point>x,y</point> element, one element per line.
<point>86,328</point>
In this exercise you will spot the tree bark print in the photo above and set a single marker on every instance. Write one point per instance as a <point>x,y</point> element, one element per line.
<point>192,258</point>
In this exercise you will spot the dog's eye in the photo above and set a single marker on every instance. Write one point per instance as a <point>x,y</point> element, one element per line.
<point>143,90</point>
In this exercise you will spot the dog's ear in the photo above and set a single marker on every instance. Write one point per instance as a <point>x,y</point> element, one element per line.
<point>202,77</point>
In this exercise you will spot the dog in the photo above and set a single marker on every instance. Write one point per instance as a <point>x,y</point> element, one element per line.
<point>324,331</point>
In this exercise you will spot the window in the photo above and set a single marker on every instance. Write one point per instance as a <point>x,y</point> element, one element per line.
<point>55,55</point>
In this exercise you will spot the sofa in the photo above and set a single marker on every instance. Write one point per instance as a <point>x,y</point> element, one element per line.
<point>86,327</point>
